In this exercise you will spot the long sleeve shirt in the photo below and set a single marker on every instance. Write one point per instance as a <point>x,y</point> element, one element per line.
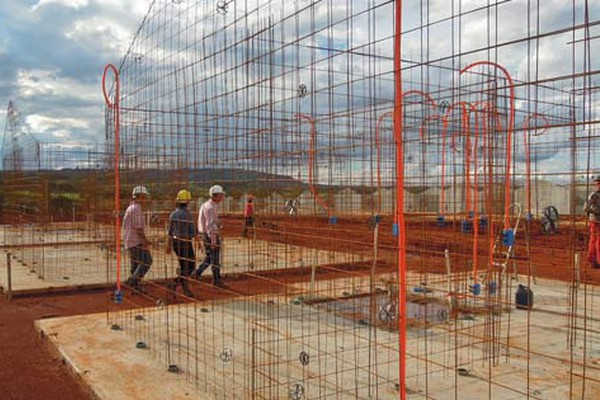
<point>133,225</point>
<point>592,206</point>
<point>208,219</point>
<point>181,224</point>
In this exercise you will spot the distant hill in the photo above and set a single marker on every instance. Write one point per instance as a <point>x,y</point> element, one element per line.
<point>163,183</point>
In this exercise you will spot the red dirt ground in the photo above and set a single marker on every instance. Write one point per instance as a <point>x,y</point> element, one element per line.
<point>29,370</point>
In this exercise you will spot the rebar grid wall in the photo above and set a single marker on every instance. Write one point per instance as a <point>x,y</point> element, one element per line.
<point>52,208</point>
<point>55,219</point>
<point>293,101</point>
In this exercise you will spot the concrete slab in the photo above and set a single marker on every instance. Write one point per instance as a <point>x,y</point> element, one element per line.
<point>109,363</point>
<point>273,347</point>
<point>69,256</point>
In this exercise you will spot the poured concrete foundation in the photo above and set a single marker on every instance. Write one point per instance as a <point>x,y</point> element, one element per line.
<point>71,257</point>
<point>277,347</point>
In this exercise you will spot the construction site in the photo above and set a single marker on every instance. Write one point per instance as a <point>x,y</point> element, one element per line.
<point>418,172</point>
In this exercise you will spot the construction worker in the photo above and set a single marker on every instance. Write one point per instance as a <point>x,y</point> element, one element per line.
<point>134,237</point>
<point>248,216</point>
<point>292,206</point>
<point>182,232</point>
<point>592,209</point>
<point>210,231</point>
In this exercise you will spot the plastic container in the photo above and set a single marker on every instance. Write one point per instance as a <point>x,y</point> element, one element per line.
<point>524,298</point>
<point>492,287</point>
<point>440,221</point>
<point>466,226</point>
<point>508,237</point>
<point>483,223</point>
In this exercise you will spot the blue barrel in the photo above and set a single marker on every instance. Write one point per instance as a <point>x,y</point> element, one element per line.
<point>492,287</point>
<point>524,298</point>
<point>440,221</point>
<point>483,222</point>
<point>118,296</point>
<point>508,237</point>
<point>466,226</point>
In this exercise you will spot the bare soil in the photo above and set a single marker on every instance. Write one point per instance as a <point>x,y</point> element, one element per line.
<point>29,370</point>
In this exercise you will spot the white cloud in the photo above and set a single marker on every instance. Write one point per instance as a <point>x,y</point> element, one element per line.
<point>52,128</point>
<point>76,4</point>
<point>33,83</point>
<point>86,31</point>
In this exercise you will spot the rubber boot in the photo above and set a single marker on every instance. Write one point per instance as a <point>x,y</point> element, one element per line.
<point>186,288</point>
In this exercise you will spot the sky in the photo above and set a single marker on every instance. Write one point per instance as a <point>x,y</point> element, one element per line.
<point>52,54</point>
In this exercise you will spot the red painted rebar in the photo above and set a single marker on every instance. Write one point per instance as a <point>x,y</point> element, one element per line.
<point>311,158</point>
<point>509,132</point>
<point>400,199</point>
<point>378,155</point>
<point>114,105</point>
<point>425,95</point>
<point>527,153</point>
<point>465,118</point>
<point>475,195</point>
<point>429,100</point>
<point>422,137</point>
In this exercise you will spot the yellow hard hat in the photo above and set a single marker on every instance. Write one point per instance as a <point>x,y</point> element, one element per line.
<point>184,196</point>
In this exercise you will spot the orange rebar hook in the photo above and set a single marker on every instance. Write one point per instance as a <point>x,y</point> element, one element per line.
<point>311,158</point>
<point>377,136</point>
<point>509,130</point>
<point>527,154</point>
<point>114,105</point>
<point>378,156</point>
<point>398,110</point>
<point>426,96</point>
<point>465,118</point>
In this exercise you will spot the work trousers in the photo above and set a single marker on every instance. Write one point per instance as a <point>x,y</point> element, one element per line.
<point>594,245</point>
<point>141,260</point>
<point>211,258</point>
<point>248,223</point>
<point>184,249</point>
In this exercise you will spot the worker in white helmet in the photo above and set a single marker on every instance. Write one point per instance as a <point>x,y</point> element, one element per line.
<point>134,237</point>
<point>209,231</point>
<point>182,232</point>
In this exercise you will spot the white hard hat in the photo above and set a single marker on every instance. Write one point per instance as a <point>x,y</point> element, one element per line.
<point>216,189</point>
<point>139,190</point>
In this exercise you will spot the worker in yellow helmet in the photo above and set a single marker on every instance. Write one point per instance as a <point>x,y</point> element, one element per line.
<point>182,232</point>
